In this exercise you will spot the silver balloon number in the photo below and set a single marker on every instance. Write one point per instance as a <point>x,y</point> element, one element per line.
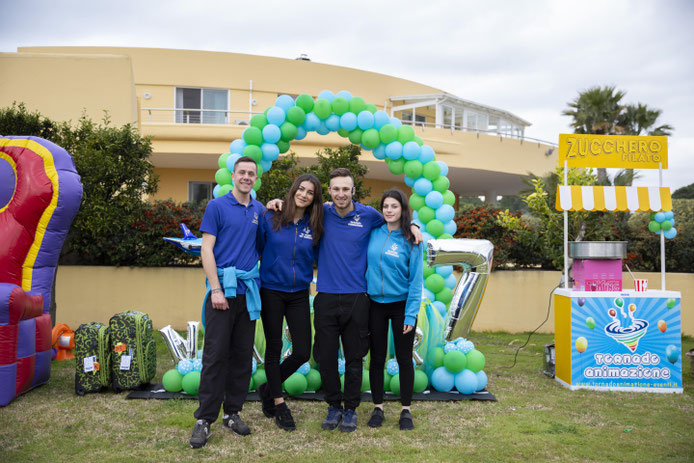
<point>180,348</point>
<point>418,336</point>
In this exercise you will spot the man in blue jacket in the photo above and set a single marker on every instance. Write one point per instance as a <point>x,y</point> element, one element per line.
<point>232,303</point>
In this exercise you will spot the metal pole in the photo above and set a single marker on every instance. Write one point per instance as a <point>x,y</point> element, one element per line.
<point>662,235</point>
<point>566,230</point>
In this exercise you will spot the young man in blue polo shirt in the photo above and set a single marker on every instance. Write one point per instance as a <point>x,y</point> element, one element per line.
<point>232,303</point>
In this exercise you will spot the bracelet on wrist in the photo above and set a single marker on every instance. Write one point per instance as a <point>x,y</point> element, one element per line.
<point>215,290</point>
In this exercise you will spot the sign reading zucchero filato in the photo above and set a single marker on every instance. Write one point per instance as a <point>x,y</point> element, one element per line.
<point>612,151</point>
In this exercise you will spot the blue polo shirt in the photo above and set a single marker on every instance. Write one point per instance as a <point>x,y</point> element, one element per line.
<point>287,254</point>
<point>236,229</point>
<point>342,252</point>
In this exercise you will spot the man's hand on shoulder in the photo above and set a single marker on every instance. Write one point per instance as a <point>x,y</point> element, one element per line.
<point>274,205</point>
<point>416,233</point>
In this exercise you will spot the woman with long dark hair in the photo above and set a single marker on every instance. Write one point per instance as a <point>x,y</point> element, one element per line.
<point>394,282</point>
<point>288,241</point>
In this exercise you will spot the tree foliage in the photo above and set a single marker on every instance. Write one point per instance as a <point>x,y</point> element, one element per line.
<point>686,192</point>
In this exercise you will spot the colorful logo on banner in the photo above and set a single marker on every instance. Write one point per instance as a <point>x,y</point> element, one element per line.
<point>621,342</point>
<point>618,151</point>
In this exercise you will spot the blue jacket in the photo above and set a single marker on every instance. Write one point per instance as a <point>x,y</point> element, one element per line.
<point>394,271</point>
<point>287,255</point>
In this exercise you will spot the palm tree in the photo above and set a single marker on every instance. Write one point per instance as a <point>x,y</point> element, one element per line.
<point>597,111</point>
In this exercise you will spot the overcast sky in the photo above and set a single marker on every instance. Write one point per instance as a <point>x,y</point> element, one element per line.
<point>527,57</point>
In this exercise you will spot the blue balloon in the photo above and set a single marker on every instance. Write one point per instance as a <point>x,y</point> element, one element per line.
<point>185,366</point>
<point>344,94</point>
<point>394,150</point>
<point>312,122</point>
<point>271,133</point>
<point>380,152</point>
<point>365,120</point>
<point>197,364</point>
<point>231,160</point>
<point>301,132</point>
<point>433,199</point>
<point>450,281</point>
<point>481,380</point>
<point>333,122</point>
<point>425,239</point>
<point>348,121</point>
<point>450,227</point>
<point>237,146</point>
<point>327,94</point>
<point>276,115</point>
<point>427,154</point>
<point>396,122</point>
<point>265,164</point>
<point>253,195</point>
<point>411,150</point>
<point>442,380</point>
<point>381,118</point>
<point>672,352</point>
<point>466,382</point>
<point>428,293</point>
<point>215,191</point>
<point>445,213</point>
<point>285,102</point>
<point>322,128</point>
<point>270,152</point>
<point>659,217</point>
<point>423,187</point>
<point>341,366</point>
<point>444,270</point>
<point>409,181</point>
<point>668,215</point>
<point>444,168</point>
<point>449,346</point>
<point>392,367</point>
<point>304,369</point>
<point>671,233</point>
<point>254,365</point>
<point>418,223</point>
<point>441,307</point>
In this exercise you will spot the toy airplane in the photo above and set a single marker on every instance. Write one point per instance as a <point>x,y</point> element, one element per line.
<point>189,243</point>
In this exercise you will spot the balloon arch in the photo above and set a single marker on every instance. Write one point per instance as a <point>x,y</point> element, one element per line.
<point>363,124</point>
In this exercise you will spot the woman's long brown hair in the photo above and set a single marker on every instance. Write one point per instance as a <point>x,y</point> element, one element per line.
<point>314,211</point>
<point>406,216</point>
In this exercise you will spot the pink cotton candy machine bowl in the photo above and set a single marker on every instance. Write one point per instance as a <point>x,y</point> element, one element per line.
<point>597,265</point>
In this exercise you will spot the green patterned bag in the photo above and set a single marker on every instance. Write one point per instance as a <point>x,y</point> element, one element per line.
<point>133,351</point>
<point>93,358</point>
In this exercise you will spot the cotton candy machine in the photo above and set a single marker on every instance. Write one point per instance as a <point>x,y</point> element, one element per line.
<point>597,265</point>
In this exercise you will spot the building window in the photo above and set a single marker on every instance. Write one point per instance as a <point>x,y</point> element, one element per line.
<point>200,191</point>
<point>201,105</point>
<point>418,119</point>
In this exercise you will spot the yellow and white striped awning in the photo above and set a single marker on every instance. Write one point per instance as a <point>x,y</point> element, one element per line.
<point>613,198</point>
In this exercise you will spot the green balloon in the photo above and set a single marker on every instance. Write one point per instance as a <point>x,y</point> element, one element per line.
<point>421,381</point>
<point>191,383</point>
<point>386,381</point>
<point>305,102</point>
<point>357,104</point>
<point>405,134</point>
<point>449,198</point>
<point>395,384</point>
<point>259,121</point>
<point>296,384</point>
<point>445,296</point>
<point>388,133</point>
<point>224,189</point>
<point>441,184</point>
<point>475,360</point>
<point>413,168</point>
<point>651,216</point>
<point>431,171</point>
<point>590,322</point>
<point>172,381</point>
<point>435,228</point>
<point>654,226</point>
<point>322,108</point>
<point>665,225</point>
<point>283,146</point>
<point>288,131</point>
<point>343,133</point>
<point>454,361</point>
<point>418,140</point>
<point>371,108</point>
<point>340,105</point>
<point>259,377</point>
<point>251,385</point>
<point>434,283</point>
<point>355,136</point>
<point>670,302</point>
<point>257,184</point>
<point>313,380</point>
<point>260,170</point>
<point>397,167</point>
<point>416,202</point>
<point>296,115</point>
<point>426,214</point>
<point>254,152</point>
<point>223,176</point>
<point>370,138</point>
<point>445,236</point>
<point>619,302</point>
<point>222,161</point>
<point>342,383</point>
<point>426,271</point>
<point>438,357</point>
<point>253,136</point>
<point>365,384</point>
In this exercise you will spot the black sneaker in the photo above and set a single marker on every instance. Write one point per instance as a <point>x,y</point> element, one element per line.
<point>284,418</point>
<point>349,421</point>
<point>406,420</point>
<point>201,432</point>
<point>236,424</point>
<point>377,418</point>
<point>269,407</point>
<point>332,419</point>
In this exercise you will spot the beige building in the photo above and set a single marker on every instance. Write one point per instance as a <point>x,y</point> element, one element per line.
<point>194,103</point>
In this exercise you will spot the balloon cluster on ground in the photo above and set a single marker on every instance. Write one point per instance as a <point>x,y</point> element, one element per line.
<point>663,222</point>
<point>186,377</point>
<point>459,365</point>
<point>304,379</point>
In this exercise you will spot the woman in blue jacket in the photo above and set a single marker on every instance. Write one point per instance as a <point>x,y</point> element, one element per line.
<point>288,240</point>
<point>394,282</point>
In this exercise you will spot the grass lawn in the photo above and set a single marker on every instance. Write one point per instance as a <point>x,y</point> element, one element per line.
<point>535,419</point>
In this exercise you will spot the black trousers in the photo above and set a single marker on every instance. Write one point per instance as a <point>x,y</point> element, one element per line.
<point>226,359</point>
<point>278,305</point>
<point>379,316</point>
<point>343,316</point>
